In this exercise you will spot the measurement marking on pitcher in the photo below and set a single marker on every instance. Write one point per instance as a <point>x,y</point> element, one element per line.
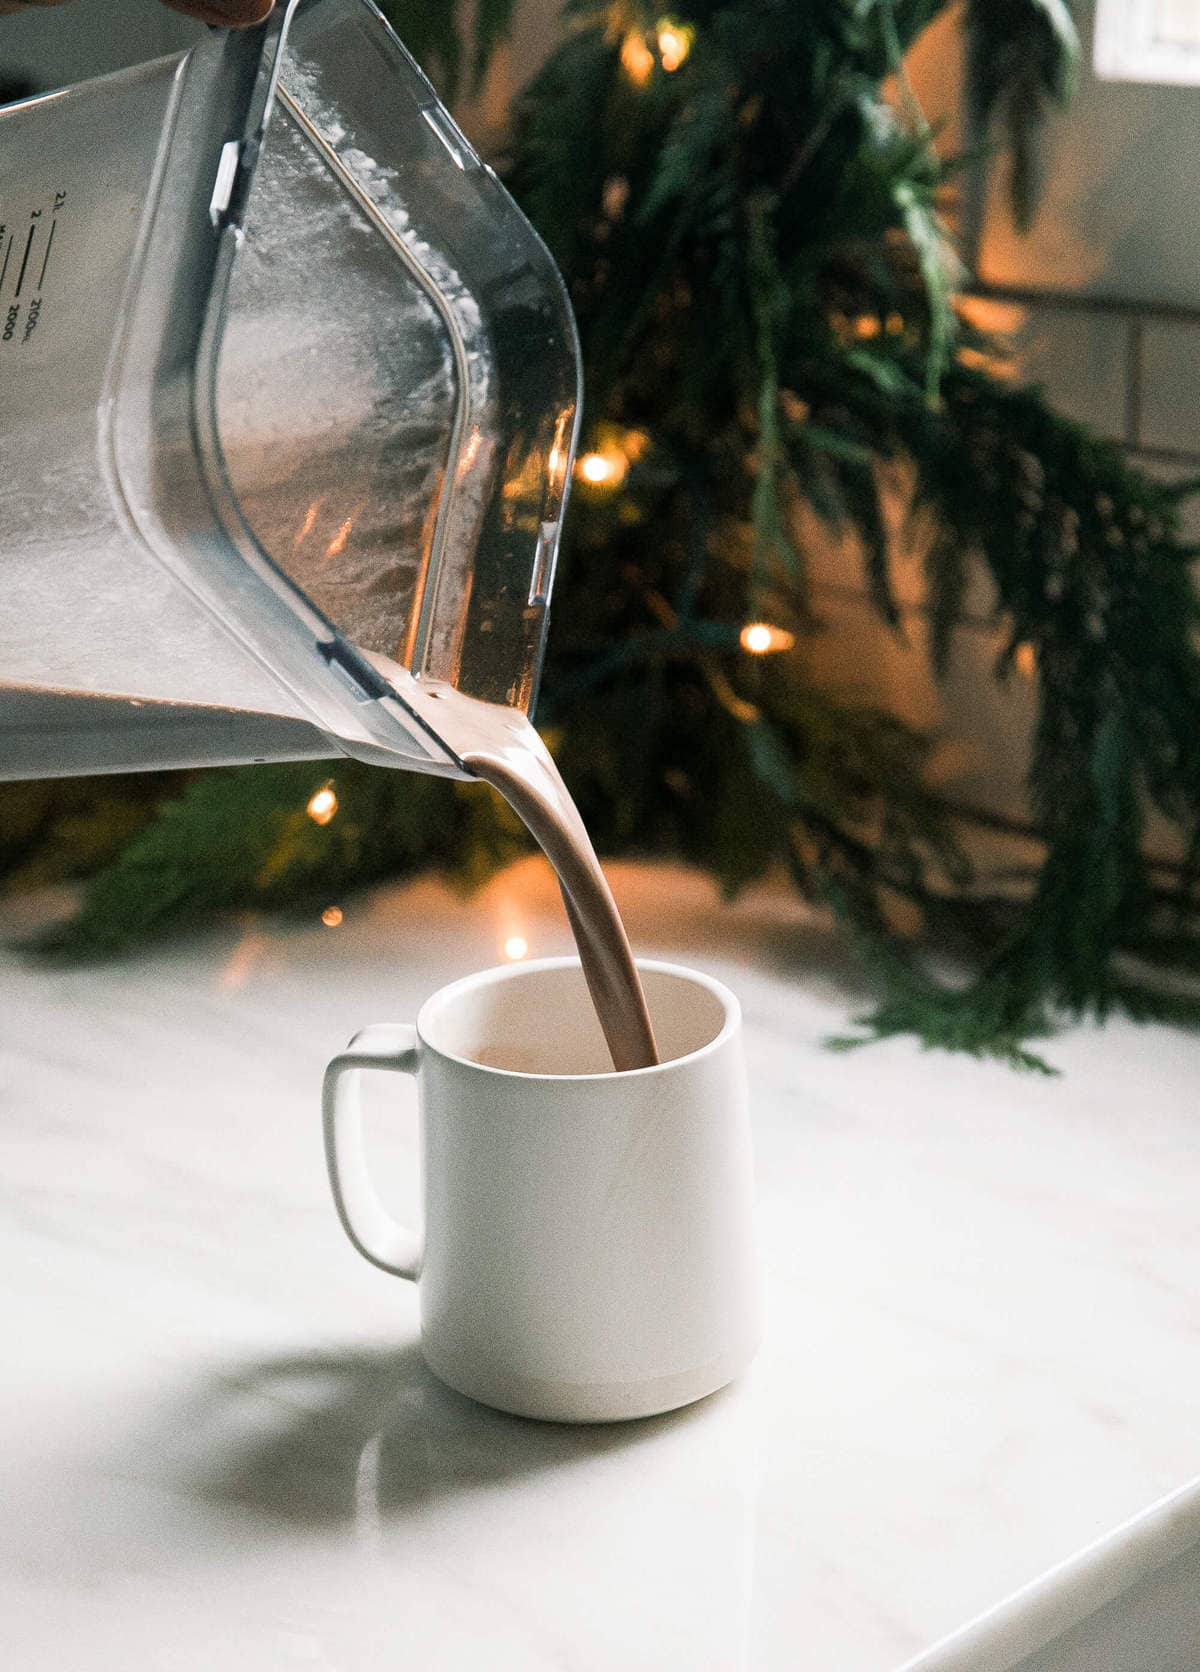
<point>24,263</point>
<point>46,257</point>
<point>7,253</point>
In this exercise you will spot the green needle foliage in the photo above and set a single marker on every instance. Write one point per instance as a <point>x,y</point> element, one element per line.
<point>1022,62</point>
<point>432,34</point>
<point>765,292</point>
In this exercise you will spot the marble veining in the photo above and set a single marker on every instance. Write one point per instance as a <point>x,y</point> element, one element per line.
<point>221,1448</point>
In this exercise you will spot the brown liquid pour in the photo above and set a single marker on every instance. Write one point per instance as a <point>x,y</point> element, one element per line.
<point>501,747</point>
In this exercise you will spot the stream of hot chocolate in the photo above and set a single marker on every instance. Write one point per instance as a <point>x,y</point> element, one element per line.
<point>500,746</point>
<point>540,799</point>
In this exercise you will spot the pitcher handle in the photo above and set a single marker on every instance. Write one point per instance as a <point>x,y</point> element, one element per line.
<point>371,1228</point>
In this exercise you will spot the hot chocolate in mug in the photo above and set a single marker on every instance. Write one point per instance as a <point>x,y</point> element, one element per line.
<point>588,1250</point>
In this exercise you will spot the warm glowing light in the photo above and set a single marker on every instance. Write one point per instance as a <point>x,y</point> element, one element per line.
<point>332,916</point>
<point>793,408</point>
<point>322,806</point>
<point>516,947</point>
<point>615,196</point>
<point>759,637</point>
<point>674,44</point>
<point>603,470</point>
<point>309,523</point>
<point>242,960</point>
<point>337,545</point>
<point>637,58</point>
<point>1025,660</point>
<point>993,318</point>
<point>981,360</point>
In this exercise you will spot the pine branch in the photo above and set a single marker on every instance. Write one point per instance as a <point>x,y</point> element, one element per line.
<point>241,839</point>
<point>493,27</point>
<point>769,302</point>
<point>431,31</point>
<point>1022,62</point>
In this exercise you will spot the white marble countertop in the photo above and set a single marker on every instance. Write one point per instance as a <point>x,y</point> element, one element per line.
<point>221,1450</point>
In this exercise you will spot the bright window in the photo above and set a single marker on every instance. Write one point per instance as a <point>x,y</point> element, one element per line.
<point>1148,40</point>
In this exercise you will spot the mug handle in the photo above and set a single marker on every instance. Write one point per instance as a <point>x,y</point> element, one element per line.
<point>377,1236</point>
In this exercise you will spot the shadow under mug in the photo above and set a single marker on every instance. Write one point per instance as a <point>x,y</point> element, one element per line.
<point>588,1252</point>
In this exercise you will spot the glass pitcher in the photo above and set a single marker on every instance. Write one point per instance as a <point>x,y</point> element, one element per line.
<point>288,402</point>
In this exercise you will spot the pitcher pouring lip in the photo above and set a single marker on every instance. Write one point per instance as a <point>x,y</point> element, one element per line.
<point>312,381</point>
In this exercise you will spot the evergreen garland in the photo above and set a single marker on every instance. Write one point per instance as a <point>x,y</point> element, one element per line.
<point>765,293</point>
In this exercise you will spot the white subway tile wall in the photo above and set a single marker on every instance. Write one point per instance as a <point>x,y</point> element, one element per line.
<point>1081,358</point>
<point>1170,399</point>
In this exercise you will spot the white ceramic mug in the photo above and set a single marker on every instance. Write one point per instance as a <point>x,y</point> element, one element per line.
<point>588,1250</point>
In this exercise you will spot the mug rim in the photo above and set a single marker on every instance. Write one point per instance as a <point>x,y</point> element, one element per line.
<point>724,995</point>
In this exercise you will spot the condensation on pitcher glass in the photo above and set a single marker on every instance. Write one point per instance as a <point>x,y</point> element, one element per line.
<point>339,386</point>
<point>477,461</point>
<point>478,452</point>
<point>383,185</point>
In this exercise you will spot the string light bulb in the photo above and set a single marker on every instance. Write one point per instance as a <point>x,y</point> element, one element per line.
<point>603,470</point>
<point>516,947</point>
<point>760,638</point>
<point>337,545</point>
<point>637,60</point>
<point>323,805</point>
<point>309,523</point>
<point>674,43</point>
<point>615,196</point>
<point>332,916</point>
